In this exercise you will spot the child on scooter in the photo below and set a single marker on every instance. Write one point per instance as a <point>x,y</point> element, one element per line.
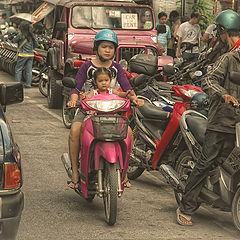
<point>102,79</point>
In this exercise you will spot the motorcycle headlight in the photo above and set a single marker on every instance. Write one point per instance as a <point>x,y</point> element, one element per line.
<point>189,93</point>
<point>105,106</point>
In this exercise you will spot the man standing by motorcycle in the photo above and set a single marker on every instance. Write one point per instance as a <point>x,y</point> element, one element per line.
<point>220,134</point>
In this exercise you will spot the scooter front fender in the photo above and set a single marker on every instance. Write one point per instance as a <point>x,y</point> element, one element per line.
<point>173,125</point>
<point>110,151</point>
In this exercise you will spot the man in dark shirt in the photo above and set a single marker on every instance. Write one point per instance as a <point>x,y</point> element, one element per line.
<point>219,137</point>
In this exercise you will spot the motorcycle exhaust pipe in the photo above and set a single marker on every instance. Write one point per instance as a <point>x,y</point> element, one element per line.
<point>67,164</point>
<point>172,177</point>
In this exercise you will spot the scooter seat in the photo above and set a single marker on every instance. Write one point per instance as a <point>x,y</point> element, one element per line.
<point>149,110</point>
<point>197,126</point>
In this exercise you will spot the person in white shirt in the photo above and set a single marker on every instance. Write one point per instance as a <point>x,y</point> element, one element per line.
<point>189,35</point>
<point>209,37</point>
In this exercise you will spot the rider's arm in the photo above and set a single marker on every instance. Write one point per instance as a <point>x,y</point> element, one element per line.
<point>80,78</point>
<point>179,46</point>
<point>214,80</point>
<point>122,78</point>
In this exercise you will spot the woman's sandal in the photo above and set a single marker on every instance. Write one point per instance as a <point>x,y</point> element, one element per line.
<point>183,219</point>
<point>127,183</point>
<point>75,185</point>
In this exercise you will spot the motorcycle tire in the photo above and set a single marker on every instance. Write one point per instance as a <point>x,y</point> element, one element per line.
<point>67,114</point>
<point>35,76</point>
<point>54,96</point>
<point>110,196</point>
<point>236,209</point>
<point>134,172</point>
<point>43,87</point>
<point>183,167</point>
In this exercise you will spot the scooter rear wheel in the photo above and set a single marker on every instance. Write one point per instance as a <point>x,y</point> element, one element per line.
<point>236,209</point>
<point>110,184</point>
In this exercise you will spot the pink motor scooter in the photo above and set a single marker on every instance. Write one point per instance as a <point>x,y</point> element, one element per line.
<point>105,150</point>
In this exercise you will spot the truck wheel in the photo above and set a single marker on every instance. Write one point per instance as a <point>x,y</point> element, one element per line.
<point>54,90</point>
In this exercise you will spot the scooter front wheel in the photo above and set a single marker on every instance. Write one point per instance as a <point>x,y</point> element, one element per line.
<point>110,196</point>
<point>236,209</point>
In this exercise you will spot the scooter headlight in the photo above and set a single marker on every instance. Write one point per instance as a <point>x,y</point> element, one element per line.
<point>105,106</point>
<point>189,93</point>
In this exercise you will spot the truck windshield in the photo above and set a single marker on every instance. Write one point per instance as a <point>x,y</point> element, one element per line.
<point>120,17</point>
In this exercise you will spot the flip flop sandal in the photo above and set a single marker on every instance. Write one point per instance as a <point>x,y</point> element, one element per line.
<point>186,217</point>
<point>75,185</point>
<point>126,183</point>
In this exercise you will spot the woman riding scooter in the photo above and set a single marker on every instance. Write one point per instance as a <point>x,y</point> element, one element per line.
<point>105,45</point>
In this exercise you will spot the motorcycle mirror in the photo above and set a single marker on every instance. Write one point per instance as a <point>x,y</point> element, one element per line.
<point>168,70</point>
<point>69,82</point>
<point>235,77</point>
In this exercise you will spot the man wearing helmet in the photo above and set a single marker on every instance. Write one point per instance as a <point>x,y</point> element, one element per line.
<point>220,134</point>
<point>105,44</point>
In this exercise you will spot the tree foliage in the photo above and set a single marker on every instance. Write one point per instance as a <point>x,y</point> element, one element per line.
<point>206,8</point>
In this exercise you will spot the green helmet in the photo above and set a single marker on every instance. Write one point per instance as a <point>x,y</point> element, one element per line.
<point>229,19</point>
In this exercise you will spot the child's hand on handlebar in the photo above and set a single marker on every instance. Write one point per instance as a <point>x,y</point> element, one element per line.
<point>82,95</point>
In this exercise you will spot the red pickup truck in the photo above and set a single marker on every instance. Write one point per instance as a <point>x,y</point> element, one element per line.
<point>75,24</point>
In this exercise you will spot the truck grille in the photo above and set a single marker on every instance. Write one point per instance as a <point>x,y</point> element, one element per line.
<point>127,52</point>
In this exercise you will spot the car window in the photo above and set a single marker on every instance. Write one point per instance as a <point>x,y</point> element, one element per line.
<point>5,140</point>
<point>120,17</point>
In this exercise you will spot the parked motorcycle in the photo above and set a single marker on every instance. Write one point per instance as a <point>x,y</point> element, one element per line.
<point>105,150</point>
<point>39,71</point>
<point>155,132</point>
<point>222,186</point>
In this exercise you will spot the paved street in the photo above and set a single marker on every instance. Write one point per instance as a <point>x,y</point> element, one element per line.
<point>53,211</point>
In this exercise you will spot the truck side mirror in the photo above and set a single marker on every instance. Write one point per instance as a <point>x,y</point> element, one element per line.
<point>61,26</point>
<point>235,77</point>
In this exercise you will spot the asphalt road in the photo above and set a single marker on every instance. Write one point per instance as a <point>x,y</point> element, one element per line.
<point>53,211</point>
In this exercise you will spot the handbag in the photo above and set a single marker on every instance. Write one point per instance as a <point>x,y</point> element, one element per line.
<point>18,49</point>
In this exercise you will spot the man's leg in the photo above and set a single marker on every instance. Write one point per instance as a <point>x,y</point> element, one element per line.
<point>214,144</point>
<point>19,69</point>
<point>28,67</point>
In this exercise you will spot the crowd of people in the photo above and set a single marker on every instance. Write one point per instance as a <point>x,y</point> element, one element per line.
<point>181,37</point>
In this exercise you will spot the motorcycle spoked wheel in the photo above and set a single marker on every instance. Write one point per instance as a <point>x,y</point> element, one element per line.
<point>183,167</point>
<point>35,76</point>
<point>236,209</point>
<point>110,196</point>
<point>134,172</point>
<point>67,114</point>
<point>43,87</point>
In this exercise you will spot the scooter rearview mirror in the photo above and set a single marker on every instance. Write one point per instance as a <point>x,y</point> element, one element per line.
<point>69,82</point>
<point>235,77</point>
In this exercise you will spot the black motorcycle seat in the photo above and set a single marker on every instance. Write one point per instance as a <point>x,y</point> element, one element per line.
<point>197,126</point>
<point>149,110</point>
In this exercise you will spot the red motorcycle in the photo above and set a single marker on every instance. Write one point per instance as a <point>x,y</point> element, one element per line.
<point>155,131</point>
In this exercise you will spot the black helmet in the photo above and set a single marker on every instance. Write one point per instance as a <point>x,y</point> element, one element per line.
<point>200,102</point>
